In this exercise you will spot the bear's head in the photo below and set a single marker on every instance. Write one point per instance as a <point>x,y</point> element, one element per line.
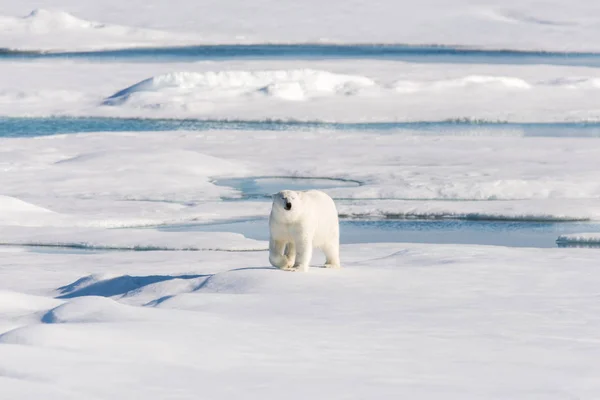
<point>287,205</point>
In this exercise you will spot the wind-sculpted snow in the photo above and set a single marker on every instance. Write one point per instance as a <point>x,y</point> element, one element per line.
<point>16,206</point>
<point>496,321</point>
<point>308,90</point>
<point>190,90</point>
<point>286,85</point>
<point>53,30</point>
<point>292,85</point>
<point>221,95</point>
<point>512,24</point>
<point>89,309</point>
<point>14,211</point>
<point>13,302</point>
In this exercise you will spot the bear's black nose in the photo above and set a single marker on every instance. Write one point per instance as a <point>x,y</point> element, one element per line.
<point>288,206</point>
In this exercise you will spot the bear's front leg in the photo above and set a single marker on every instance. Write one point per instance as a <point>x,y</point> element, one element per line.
<point>303,254</point>
<point>290,253</point>
<point>277,258</point>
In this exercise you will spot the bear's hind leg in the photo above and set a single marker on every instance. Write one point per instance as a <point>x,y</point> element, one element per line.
<point>332,256</point>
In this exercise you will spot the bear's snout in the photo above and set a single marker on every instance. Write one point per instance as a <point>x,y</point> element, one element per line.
<point>288,205</point>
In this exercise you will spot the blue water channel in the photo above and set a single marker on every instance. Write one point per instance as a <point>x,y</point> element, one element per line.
<point>32,127</point>
<point>444,231</point>
<point>399,52</point>
<point>497,233</point>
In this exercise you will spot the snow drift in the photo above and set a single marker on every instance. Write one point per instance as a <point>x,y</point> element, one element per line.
<point>330,95</point>
<point>14,211</point>
<point>331,91</point>
<point>283,84</point>
<point>55,30</point>
<point>511,24</point>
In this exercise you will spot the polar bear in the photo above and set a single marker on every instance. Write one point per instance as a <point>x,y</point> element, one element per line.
<point>299,221</point>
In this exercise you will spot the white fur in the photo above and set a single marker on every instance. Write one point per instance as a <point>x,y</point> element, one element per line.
<point>311,222</point>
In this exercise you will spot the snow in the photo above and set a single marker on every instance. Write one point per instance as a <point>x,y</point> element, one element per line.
<point>523,25</point>
<point>19,302</point>
<point>336,91</point>
<point>18,212</point>
<point>52,30</point>
<point>100,300</point>
<point>398,320</point>
<point>131,179</point>
<point>532,210</point>
<point>287,85</point>
<point>130,239</point>
<point>12,205</point>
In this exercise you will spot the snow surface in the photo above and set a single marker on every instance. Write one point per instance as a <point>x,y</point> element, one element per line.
<point>49,30</point>
<point>121,311</point>
<point>512,24</point>
<point>287,85</point>
<point>130,239</point>
<point>337,91</point>
<point>417,321</point>
<point>398,320</point>
<point>137,179</point>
